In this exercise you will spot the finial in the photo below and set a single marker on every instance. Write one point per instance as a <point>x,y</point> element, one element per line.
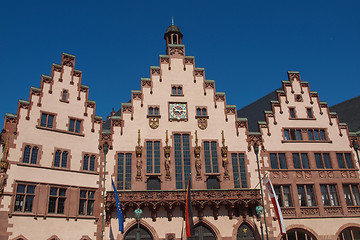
<point>223,138</point>
<point>196,138</point>
<point>139,137</point>
<point>167,138</point>
<point>172,21</point>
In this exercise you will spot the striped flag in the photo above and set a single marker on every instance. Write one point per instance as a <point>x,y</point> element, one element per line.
<point>118,208</point>
<point>189,224</point>
<point>275,203</point>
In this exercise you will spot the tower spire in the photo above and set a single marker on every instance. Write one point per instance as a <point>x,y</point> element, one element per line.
<point>172,21</point>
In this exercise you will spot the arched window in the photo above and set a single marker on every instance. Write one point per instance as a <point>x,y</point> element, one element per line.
<point>351,233</point>
<point>245,233</point>
<point>34,154</point>
<point>298,234</point>
<point>30,152</point>
<point>86,162</point>
<point>26,156</point>
<point>60,159</point>
<point>144,234</point>
<point>203,232</point>
<point>174,39</point>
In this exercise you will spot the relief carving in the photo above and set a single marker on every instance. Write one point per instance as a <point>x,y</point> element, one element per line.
<point>202,123</point>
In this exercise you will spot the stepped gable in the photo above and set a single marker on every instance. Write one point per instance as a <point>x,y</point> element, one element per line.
<point>348,112</point>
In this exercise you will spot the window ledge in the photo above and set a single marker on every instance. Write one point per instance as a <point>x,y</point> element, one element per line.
<point>153,174</point>
<point>150,116</point>
<point>50,215</point>
<point>212,174</point>
<point>177,95</point>
<point>201,117</point>
<point>55,168</point>
<point>302,118</point>
<point>64,101</point>
<point>306,141</point>
<point>61,131</point>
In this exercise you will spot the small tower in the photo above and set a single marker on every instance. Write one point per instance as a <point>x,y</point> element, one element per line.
<point>172,35</point>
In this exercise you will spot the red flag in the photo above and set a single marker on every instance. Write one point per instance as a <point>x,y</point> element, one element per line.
<point>189,224</point>
<point>275,203</point>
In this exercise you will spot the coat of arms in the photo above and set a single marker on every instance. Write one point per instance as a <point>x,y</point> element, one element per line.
<point>154,122</point>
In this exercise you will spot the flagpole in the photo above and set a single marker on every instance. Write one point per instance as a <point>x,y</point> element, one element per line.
<point>105,151</point>
<point>256,149</point>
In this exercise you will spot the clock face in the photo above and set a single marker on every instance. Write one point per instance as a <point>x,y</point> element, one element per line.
<point>178,110</point>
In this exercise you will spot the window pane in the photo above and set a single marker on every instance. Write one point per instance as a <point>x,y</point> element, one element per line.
<point>301,196</point>
<point>28,203</point>
<point>355,190</point>
<point>82,205</point>
<point>292,112</point>
<point>204,112</point>
<point>174,90</point>
<point>311,135</point>
<point>64,95</point>
<point>349,161</point>
<point>26,156</point>
<point>333,196</point>
<point>279,195</point>
<point>151,111</point>
<point>305,161</point>
<point>340,159</point>
<point>61,204</point>
<point>86,162</point>
<point>282,161</point>
<point>327,161</point>
<point>30,189</point>
<point>207,157</point>
<point>273,161</point>
<point>82,194</point>
<point>198,112</point>
<point>186,154</point>
<point>316,133</point>
<point>292,134</point>
<point>57,159</point>
<point>287,134</point>
<point>92,163</point>
<point>34,154</point>
<point>325,195</point>
<point>90,207</point>
<point>298,135</point>
<point>178,162</point>
<point>52,204</point>
<point>318,159</point>
<point>91,194</point>
<point>128,171</point>
<point>296,160</point>
<point>322,135</point>
<point>62,192</point>
<point>215,167</point>
<point>71,125</point>
<point>19,202</point>
<point>20,188</point>
<point>43,120</point>
<point>120,171</point>
<point>309,113</point>
<point>156,112</point>
<point>53,191</point>
<point>157,156</point>
<point>235,170</point>
<point>180,90</point>
<point>242,170</point>
<point>310,195</point>
<point>64,159</point>
<point>149,156</point>
<point>78,124</point>
<point>347,194</point>
<point>287,196</point>
<point>50,121</point>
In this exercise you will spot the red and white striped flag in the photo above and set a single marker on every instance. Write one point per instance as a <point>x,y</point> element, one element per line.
<point>275,203</point>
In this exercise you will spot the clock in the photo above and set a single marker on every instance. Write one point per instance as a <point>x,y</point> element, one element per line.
<point>178,111</point>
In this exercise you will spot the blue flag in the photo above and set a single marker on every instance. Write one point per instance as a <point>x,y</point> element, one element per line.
<point>118,208</point>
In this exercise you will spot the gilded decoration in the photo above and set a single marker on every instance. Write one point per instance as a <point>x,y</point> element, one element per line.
<point>154,122</point>
<point>202,123</point>
<point>167,150</point>
<point>229,198</point>
<point>224,155</point>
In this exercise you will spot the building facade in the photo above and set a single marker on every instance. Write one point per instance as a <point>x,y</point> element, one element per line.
<point>175,128</point>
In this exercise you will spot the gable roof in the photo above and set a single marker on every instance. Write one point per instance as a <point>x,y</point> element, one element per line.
<point>349,113</point>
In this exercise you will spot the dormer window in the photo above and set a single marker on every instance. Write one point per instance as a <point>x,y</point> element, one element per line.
<point>309,113</point>
<point>64,96</point>
<point>292,112</point>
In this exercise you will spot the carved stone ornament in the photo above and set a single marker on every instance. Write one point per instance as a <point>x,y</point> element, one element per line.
<point>202,123</point>
<point>197,151</point>
<point>176,50</point>
<point>167,168</point>
<point>138,167</point>
<point>198,167</point>
<point>154,122</point>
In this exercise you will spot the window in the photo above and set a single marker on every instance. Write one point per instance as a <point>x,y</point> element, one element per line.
<point>24,198</point>
<point>351,233</point>
<point>344,160</point>
<point>89,162</point>
<point>154,111</point>
<point>323,159</point>
<point>61,159</point>
<point>64,96</point>
<point>300,160</point>
<point>239,170</point>
<point>201,112</point>
<point>309,113</point>
<point>329,195</point>
<point>176,90</point>
<point>182,160</point>
<point>283,194</point>
<point>278,159</point>
<point>124,171</point>
<point>292,134</point>
<point>47,120</point>
<point>351,192</point>
<point>316,134</point>
<point>153,156</point>
<point>292,112</point>
<point>30,154</point>
<point>306,195</point>
<point>57,200</point>
<point>298,234</point>
<point>86,202</point>
<point>74,125</point>
<point>211,158</point>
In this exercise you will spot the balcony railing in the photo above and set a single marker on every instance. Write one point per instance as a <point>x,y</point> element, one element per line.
<point>230,198</point>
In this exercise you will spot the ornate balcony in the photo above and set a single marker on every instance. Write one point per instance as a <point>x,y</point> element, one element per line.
<point>230,198</point>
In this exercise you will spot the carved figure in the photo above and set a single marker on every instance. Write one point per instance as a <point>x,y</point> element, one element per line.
<point>167,167</point>
<point>198,167</point>
<point>138,166</point>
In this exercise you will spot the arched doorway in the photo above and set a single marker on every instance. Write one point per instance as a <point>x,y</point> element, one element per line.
<point>351,233</point>
<point>202,232</point>
<point>298,234</point>
<point>245,233</point>
<point>144,234</point>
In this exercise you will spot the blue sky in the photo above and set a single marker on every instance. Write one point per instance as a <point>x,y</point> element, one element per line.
<point>245,46</point>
